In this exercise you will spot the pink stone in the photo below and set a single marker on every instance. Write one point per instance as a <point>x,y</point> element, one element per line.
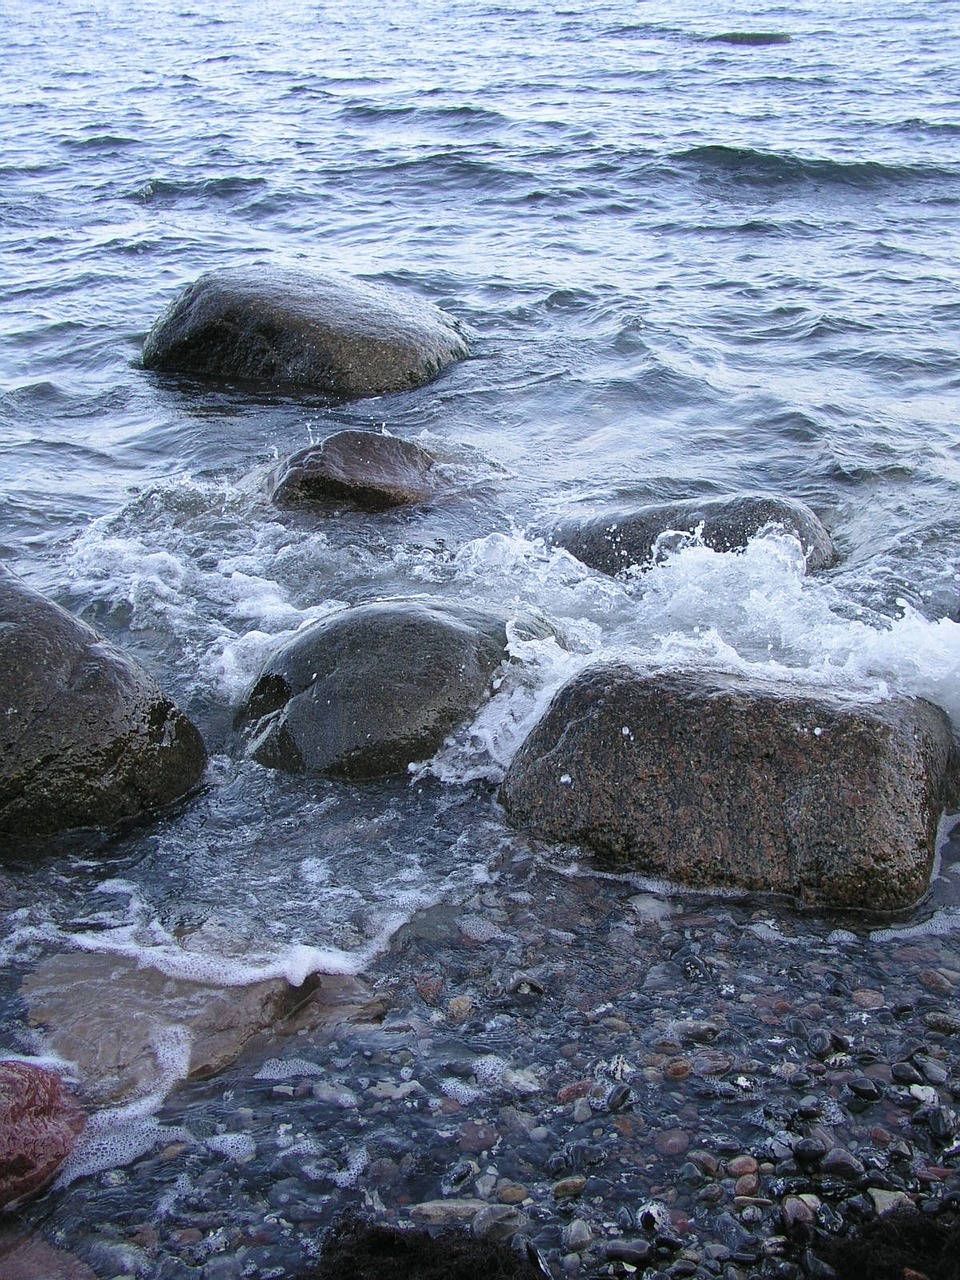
<point>39,1124</point>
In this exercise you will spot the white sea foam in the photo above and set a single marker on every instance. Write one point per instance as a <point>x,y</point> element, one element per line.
<point>119,1135</point>
<point>239,1147</point>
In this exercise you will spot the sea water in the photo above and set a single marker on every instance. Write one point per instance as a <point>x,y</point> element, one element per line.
<point>688,266</point>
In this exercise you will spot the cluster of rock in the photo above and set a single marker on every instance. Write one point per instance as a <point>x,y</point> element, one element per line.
<point>700,778</point>
<point>87,738</point>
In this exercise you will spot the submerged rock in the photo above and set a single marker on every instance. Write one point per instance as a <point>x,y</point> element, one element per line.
<point>366,470</point>
<point>130,1029</point>
<point>87,738</point>
<point>39,1125</point>
<point>621,540</point>
<point>28,1257</point>
<point>338,336</point>
<point>374,688</point>
<point>751,39</point>
<point>711,780</point>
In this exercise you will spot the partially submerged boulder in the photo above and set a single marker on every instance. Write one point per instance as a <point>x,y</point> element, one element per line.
<point>123,1025</point>
<point>625,539</point>
<point>360,468</point>
<point>86,736</point>
<point>368,691</point>
<point>338,336</point>
<point>711,780</point>
<point>39,1126</point>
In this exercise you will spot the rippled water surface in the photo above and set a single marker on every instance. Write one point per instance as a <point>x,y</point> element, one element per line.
<point>688,265</point>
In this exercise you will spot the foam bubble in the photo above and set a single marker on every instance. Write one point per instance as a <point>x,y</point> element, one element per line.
<point>239,1147</point>
<point>285,1068</point>
<point>114,1138</point>
<point>460,1091</point>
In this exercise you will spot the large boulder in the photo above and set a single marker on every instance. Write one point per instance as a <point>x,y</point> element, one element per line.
<point>39,1125</point>
<point>327,332</point>
<point>711,780</point>
<point>366,692</point>
<point>625,539</point>
<point>358,468</point>
<point>86,736</point>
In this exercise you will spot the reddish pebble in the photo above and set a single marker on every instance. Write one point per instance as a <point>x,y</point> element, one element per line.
<point>679,1069</point>
<point>475,1138</point>
<point>740,1165</point>
<point>864,998</point>
<point>748,1185</point>
<point>570,1092</point>
<point>671,1142</point>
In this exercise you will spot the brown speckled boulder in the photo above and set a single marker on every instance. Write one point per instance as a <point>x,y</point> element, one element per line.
<point>710,780</point>
<point>623,539</point>
<point>39,1125</point>
<point>326,332</point>
<point>360,469</point>
<point>86,736</point>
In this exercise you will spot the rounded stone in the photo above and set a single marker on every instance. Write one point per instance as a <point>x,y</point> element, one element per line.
<point>326,332</point>
<point>623,540</point>
<point>87,737</point>
<point>671,1142</point>
<point>366,692</point>
<point>361,469</point>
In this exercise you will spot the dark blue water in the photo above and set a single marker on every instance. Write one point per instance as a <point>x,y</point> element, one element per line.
<point>688,266</point>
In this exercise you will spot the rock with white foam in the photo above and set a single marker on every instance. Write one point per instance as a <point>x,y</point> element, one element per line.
<point>39,1126</point>
<point>318,330</point>
<point>357,469</point>
<point>623,540</point>
<point>131,1030</point>
<point>374,688</point>
<point>713,780</point>
<point>86,736</point>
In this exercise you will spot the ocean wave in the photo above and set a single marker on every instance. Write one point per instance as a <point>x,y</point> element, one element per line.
<point>769,168</point>
<point>170,190</point>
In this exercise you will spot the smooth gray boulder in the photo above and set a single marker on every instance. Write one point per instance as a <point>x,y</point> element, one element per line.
<point>361,469</point>
<point>86,736</point>
<point>624,539</point>
<point>710,780</point>
<point>370,690</point>
<point>326,332</point>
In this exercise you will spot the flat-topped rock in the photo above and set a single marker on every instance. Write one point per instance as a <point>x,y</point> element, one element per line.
<point>360,469</point>
<point>125,1027</point>
<point>86,736</point>
<point>324,331</point>
<point>370,690</point>
<point>627,539</point>
<point>713,781</point>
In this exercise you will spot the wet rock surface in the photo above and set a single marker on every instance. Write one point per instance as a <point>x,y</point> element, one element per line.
<point>366,692</point>
<point>341,337</point>
<point>709,780</point>
<point>30,1258</point>
<point>621,540</point>
<point>131,1031</point>
<point>668,1091</point>
<point>358,468</point>
<point>87,737</point>
<point>39,1126</point>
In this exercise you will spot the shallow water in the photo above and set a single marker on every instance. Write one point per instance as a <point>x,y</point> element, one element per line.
<point>688,267</point>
